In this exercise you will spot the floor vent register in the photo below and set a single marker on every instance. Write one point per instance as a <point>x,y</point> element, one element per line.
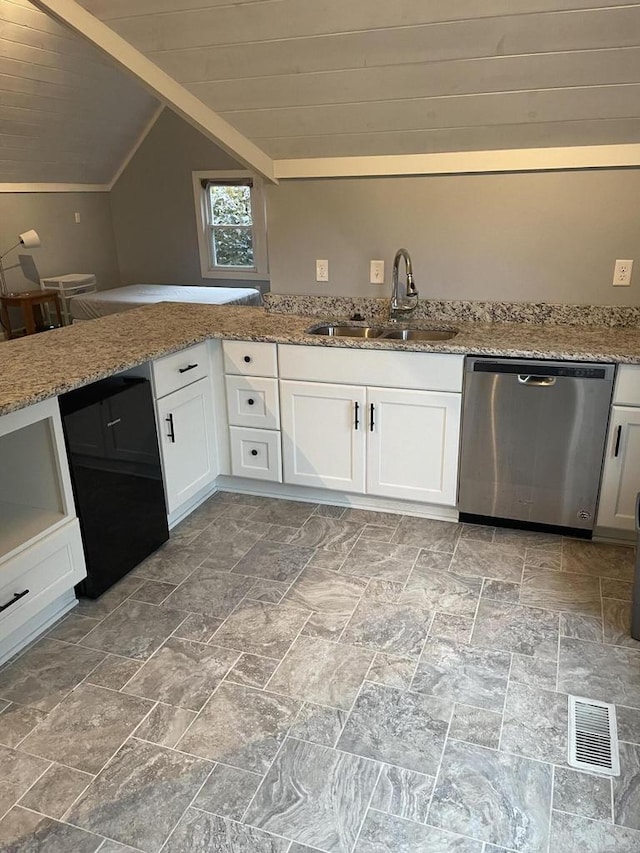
<point>593,736</point>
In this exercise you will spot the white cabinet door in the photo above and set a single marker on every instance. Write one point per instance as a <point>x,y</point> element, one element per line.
<point>187,441</point>
<point>413,439</point>
<point>323,435</point>
<point>621,477</point>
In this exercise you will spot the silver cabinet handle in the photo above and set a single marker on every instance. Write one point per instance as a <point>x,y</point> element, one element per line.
<point>171,434</point>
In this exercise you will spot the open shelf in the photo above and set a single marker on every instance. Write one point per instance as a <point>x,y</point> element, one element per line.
<point>19,524</point>
<point>32,492</point>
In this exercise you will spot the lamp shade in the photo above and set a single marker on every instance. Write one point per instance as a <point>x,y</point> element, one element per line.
<point>30,239</point>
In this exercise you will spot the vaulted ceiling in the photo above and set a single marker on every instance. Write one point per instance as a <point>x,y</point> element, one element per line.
<point>289,80</point>
<point>67,115</point>
<point>324,78</point>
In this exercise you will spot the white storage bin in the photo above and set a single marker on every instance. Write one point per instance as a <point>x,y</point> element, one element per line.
<point>67,286</point>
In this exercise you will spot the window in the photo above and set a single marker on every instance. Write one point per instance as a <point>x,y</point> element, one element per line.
<point>231,225</point>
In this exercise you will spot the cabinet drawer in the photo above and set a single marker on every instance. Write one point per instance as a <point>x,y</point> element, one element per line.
<point>250,359</point>
<point>256,453</point>
<point>253,402</point>
<point>180,369</point>
<point>422,371</point>
<point>44,571</point>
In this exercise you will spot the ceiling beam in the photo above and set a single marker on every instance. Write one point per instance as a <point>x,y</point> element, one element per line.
<point>190,108</point>
<point>461,162</point>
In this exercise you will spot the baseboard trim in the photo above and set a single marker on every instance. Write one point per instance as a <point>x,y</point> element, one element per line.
<point>307,494</point>
<point>174,518</point>
<point>35,627</point>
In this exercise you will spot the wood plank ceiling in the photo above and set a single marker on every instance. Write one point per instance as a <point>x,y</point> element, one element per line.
<point>67,115</point>
<point>324,78</point>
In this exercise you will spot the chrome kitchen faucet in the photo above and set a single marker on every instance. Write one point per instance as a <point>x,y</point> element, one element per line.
<point>402,304</point>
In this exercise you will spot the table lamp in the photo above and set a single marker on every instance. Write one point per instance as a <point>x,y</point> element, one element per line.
<point>30,240</point>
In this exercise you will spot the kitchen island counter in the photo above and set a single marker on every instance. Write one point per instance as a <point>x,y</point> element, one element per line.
<point>41,366</point>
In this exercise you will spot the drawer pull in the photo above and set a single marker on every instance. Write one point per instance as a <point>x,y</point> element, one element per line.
<point>16,597</point>
<point>247,359</point>
<point>618,437</point>
<point>250,401</point>
<point>254,452</point>
<point>187,368</point>
<point>172,434</point>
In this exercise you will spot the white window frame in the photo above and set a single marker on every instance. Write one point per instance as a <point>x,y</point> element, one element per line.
<point>208,267</point>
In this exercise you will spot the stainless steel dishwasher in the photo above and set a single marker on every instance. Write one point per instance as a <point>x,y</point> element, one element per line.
<point>533,435</point>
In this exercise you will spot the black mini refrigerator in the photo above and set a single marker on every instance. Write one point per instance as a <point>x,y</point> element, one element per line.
<point>112,445</point>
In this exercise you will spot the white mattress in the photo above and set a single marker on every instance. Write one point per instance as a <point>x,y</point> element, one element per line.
<point>88,306</point>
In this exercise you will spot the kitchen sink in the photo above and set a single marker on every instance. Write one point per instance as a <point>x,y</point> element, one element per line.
<point>389,334</point>
<point>345,331</point>
<point>419,334</point>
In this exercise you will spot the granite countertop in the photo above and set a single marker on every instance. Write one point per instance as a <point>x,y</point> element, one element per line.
<point>45,365</point>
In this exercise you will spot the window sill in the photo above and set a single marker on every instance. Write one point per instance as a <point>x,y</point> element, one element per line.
<point>241,275</point>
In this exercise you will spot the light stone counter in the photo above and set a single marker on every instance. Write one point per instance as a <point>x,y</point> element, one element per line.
<point>48,364</point>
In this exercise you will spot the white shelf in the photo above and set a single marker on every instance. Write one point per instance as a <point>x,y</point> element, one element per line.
<point>19,524</point>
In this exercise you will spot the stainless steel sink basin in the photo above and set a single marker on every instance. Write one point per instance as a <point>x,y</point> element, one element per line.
<point>419,334</point>
<point>390,334</point>
<point>345,331</point>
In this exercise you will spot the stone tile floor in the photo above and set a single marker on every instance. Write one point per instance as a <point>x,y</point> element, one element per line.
<point>287,678</point>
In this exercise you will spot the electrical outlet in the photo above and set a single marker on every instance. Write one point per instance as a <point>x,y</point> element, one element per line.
<point>322,270</point>
<point>622,273</point>
<point>376,272</point>
<point>77,218</point>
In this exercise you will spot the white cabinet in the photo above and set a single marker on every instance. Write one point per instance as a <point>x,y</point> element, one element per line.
<point>187,441</point>
<point>180,368</point>
<point>255,453</point>
<point>621,476</point>
<point>383,441</point>
<point>323,435</point>
<point>41,557</point>
<point>412,445</point>
<point>253,409</point>
<point>253,402</point>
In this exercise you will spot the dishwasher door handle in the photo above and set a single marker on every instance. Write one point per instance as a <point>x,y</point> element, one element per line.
<point>536,381</point>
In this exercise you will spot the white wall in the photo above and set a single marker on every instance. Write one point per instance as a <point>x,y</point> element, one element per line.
<point>549,237</point>
<point>67,247</point>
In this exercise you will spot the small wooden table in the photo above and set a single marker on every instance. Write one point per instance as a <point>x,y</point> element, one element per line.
<point>27,302</point>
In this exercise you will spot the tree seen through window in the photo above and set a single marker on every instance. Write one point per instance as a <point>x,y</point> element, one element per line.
<point>231,225</point>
